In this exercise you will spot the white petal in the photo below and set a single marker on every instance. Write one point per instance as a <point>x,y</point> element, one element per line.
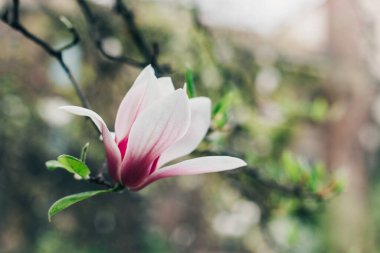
<point>143,92</point>
<point>165,85</point>
<point>195,166</point>
<point>145,75</point>
<point>200,108</point>
<point>157,128</point>
<point>98,121</point>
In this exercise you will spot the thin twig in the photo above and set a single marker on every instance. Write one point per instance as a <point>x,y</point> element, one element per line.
<point>127,15</point>
<point>293,191</point>
<point>95,34</point>
<point>15,23</point>
<point>100,180</point>
<point>73,31</point>
<point>150,54</point>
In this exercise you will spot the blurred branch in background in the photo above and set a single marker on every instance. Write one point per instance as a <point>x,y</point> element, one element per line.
<point>150,54</point>
<point>95,34</point>
<point>11,16</point>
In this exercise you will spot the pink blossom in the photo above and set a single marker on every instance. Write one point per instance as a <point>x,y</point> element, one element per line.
<point>154,125</point>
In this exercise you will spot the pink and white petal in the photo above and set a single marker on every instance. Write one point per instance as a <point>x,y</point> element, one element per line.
<point>80,111</point>
<point>200,108</point>
<point>142,93</point>
<point>156,88</point>
<point>156,129</point>
<point>166,86</point>
<point>112,152</point>
<point>144,75</point>
<point>152,94</point>
<point>111,133</point>
<point>194,166</point>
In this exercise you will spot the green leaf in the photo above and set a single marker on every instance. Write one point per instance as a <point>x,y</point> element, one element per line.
<point>221,120</point>
<point>223,105</point>
<point>54,165</point>
<point>316,176</point>
<point>220,112</point>
<point>217,108</point>
<point>74,165</point>
<point>190,83</point>
<point>291,166</point>
<point>70,200</point>
<point>83,154</point>
<point>313,180</point>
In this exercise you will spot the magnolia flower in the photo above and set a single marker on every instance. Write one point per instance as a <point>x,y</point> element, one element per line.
<point>154,125</point>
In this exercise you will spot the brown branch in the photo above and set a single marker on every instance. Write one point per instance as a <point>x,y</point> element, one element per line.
<point>100,180</point>
<point>15,23</point>
<point>150,55</point>
<point>291,191</point>
<point>96,36</point>
<point>127,15</point>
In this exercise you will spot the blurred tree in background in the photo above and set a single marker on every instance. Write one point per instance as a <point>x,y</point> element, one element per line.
<point>298,102</point>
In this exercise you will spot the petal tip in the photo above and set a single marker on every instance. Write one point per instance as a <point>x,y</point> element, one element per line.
<point>150,69</point>
<point>182,92</point>
<point>235,163</point>
<point>242,163</point>
<point>68,108</point>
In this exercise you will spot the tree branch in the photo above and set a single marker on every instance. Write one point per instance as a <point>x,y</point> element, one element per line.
<point>15,23</point>
<point>292,191</point>
<point>100,180</point>
<point>149,55</point>
<point>95,34</point>
<point>128,17</point>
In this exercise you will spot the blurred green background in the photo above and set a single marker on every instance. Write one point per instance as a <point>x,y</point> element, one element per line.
<point>295,87</point>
